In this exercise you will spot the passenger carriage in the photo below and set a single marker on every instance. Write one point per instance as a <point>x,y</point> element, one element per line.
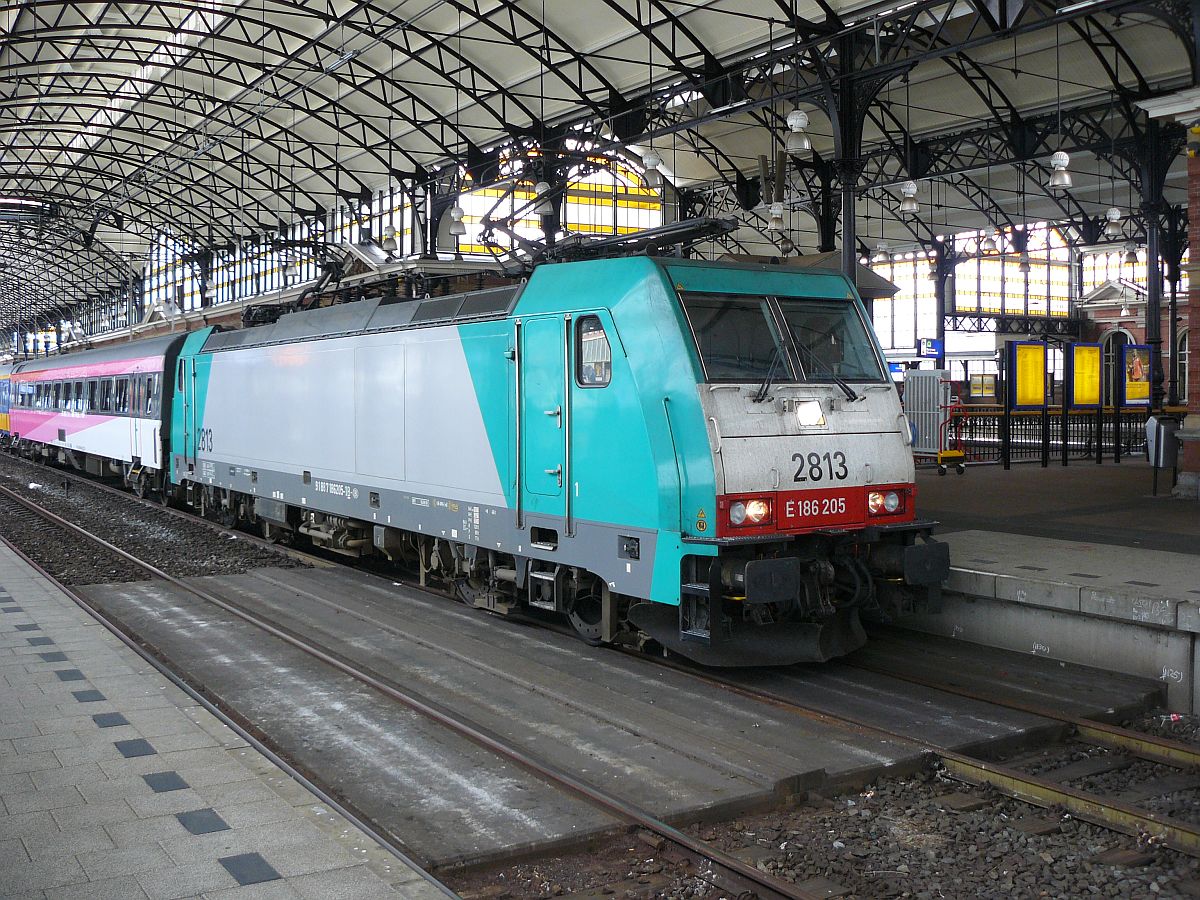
<point>102,410</point>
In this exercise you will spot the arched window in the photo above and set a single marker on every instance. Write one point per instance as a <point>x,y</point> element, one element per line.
<point>1181,362</point>
<point>1113,342</point>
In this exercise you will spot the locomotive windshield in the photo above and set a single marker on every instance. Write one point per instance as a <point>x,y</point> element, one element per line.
<point>748,338</point>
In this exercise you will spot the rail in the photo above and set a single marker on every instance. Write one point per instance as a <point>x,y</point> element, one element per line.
<point>721,869</point>
<point>1106,812</point>
<point>378,835</point>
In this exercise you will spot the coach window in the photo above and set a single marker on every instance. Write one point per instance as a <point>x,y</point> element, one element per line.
<point>122,404</point>
<point>139,396</point>
<point>593,353</point>
<point>151,396</point>
<point>93,400</point>
<point>79,396</point>
<point>66,396</point>
<point>56,395</point>
<point>106,395</point>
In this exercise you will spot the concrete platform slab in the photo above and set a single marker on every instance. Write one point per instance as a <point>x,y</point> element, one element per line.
<point>76,818</point>
<point>1123,609</point>
<point>684,749</point>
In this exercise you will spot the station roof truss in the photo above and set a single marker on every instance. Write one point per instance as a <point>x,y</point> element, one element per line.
<point>217,121</point>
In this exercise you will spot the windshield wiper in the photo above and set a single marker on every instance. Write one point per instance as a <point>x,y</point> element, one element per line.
<point>851,394</point>
<point>761,394</point>
<point>811,358</point>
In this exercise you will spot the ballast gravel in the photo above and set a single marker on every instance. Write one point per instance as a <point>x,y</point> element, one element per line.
<point>179,547</point>
<point>897,838</point>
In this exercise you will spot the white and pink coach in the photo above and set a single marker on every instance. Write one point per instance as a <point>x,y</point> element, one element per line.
<point>105,410</point>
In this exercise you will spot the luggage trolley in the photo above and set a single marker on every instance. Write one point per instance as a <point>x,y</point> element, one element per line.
<point>928,407</point>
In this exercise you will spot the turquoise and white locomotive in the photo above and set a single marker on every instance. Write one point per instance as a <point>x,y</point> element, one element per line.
<point>708,455</point>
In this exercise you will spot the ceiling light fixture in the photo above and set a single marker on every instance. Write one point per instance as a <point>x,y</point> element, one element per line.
<point>882,252</point>
<point>543,206</point>
<point>1131,253</point>
<point>775,222</point>
<point>798,140</point>
<point>651,161</point>
<point>1112,225</point>
<point>457,228</point>
<point>909,205</point>
<point>1060,178</point>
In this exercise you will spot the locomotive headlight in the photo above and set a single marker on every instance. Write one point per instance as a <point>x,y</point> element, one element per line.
<point>882,502</point>
<point>808,412</point>
<point>750,512</point>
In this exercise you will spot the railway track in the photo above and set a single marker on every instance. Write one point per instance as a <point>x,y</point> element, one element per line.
<point>1043,790</point>
<point>1039,790</point>
<point>708,863</point>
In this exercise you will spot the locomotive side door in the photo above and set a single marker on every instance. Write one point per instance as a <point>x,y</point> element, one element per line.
<point>542,419</point>
<point>187,387</point>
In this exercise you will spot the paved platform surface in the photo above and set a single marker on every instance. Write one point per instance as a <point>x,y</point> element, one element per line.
<point>1081,563</point>
<point>684,749</point>
<point>1107,504</point>
<point>114,783</point>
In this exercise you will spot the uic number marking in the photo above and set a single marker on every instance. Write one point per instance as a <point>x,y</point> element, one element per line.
<point>821,466</point>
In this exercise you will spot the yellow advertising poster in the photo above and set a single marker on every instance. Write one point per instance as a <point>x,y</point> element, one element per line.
<point>1030,372</point>
<point>983,385</point>
<point>1085,375</point>
<point>1137,374</point>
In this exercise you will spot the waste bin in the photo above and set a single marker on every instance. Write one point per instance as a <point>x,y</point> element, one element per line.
<point>1162,444</point>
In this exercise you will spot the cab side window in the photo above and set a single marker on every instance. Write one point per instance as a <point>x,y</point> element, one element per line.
<point>593,353</point>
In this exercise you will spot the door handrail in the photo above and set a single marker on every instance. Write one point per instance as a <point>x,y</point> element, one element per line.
<point>517,417</point>
<point>566,422</point>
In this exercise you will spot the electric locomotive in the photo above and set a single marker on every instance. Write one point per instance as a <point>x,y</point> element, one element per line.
<point>707,457</point>
<point>704,454</point>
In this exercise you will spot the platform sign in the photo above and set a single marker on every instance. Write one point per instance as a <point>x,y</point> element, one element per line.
<point>1082,365</point>
<point>983,386</point>
<point>1026,375</point>
<point>1135,386</point>
<point>930,348</point>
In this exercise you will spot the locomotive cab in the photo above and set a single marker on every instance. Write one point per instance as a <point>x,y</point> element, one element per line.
<point>814,523</point>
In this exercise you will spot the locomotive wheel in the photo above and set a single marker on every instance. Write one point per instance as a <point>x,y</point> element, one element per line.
<point>226,515</point>
<point>276,534</point>
<point>586,615</point>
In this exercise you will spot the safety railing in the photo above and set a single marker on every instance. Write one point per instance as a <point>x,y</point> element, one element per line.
<point>1099,435</point>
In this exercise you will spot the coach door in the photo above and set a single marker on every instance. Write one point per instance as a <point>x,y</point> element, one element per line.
<point>543,419</point>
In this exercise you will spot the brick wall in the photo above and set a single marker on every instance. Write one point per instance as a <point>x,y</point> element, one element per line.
<point>1191,314</point>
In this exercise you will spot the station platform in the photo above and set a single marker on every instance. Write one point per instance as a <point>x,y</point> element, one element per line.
<point>115,783</point>
<point>1081,564</point>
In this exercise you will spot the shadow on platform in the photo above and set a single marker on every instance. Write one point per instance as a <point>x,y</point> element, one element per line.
<point>1108,504</point>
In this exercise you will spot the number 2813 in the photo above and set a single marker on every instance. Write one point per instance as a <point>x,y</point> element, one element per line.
<point>820,466</point>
